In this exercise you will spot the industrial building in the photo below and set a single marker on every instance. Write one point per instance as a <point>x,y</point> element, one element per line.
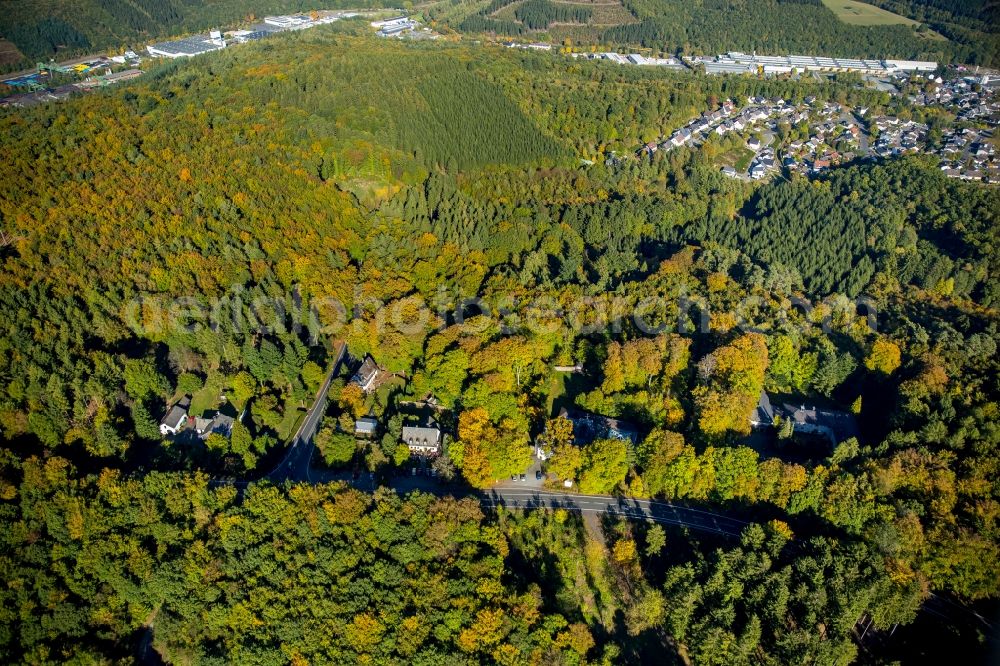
<point>670,63</point>
<point>910,65</point>
<point>390,23</point>
<point>712,67</point>
<point>396,27</point>
<point>187,47</point>
<point>288,22</point>
<point>735,62</point>
<point>244,36</point>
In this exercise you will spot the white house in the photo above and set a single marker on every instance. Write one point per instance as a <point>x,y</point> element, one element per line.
<point>175,417</point>
<point>423,440</point>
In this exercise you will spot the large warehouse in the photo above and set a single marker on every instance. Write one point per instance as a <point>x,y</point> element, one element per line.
<point>187,47</point>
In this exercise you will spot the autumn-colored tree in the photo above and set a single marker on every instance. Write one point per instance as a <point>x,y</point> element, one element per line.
<point>476,466</point>
<point>566,461</point>
<point>732,379</point>
<point>353,400</point>
<point>884,357</point>
<point>604,466</point>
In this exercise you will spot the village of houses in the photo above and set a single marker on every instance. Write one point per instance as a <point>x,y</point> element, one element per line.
<point>425,427</point>
<point>820,134</point>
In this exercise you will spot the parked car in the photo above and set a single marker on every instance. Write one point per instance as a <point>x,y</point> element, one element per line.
<point>413,471</point>
<point>538,475</point>
<point>513,477</point>
<point>521,478</point>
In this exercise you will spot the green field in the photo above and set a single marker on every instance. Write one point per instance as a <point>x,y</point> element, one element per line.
<point>861,13</point>
<point>853,12</point>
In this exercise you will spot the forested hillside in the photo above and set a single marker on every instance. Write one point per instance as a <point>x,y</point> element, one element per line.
<point>779,26</point>
<point>211,229</point>
<point>45,28</point>
<point>970,22</point>
<point>765,26</point>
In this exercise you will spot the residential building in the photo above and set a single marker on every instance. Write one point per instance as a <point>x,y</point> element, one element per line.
<point>218,423</point>
<point>366,426</point>
<point>423,440</point>
<point>175,417</point>
<point>588,427</point>
<point>369,375</point>
<point>834,425</point>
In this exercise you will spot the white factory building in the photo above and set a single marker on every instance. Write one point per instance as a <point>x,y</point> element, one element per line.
<point>189,46</point>
<point>910,65</point>
<point>736,62</point>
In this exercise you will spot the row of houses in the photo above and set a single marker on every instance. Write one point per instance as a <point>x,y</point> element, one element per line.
<point>177,420</point>
<point>966,153</point>
<point>833,425</point>
<point>970,98</point>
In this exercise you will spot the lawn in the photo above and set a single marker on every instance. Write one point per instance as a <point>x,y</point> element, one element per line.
<point>290,422</point>
<point>861,13</point>
<point>208,397</point>
<point>742,160</point>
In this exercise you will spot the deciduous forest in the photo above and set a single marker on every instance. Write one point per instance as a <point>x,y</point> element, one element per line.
<point>213,229</point>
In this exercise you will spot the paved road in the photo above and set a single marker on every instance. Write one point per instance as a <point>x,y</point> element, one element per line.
<point>634,509</point>
<point>515,496</point>
<point>295,465</point>
<point>853,117</point>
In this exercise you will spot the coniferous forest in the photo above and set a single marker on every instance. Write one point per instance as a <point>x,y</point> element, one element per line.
<point>320,189</point>
<point>966,31</point>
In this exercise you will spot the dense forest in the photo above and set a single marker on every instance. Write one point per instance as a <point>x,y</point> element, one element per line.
<point>47,28</point>
<point>780,26</point>
<point>530,15</point>
<point>969,22</point>
<point>768,26</point>
<point>211,229</point>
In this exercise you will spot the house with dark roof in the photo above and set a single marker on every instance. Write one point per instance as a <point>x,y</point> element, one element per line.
<point>423,440</point>
<point>369,375</point>
<point>832,424</point>
<point>175,417</point>
<point>218,423</point>
<point>588,426</point>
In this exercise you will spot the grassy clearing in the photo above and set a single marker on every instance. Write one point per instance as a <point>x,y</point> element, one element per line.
<point>605,12</point>
<point>860,13</point>
<point>9,53</point>
<point>740,159</point>
<point>208,397</point>
<point>853,12</point>
<point>290,422</point>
